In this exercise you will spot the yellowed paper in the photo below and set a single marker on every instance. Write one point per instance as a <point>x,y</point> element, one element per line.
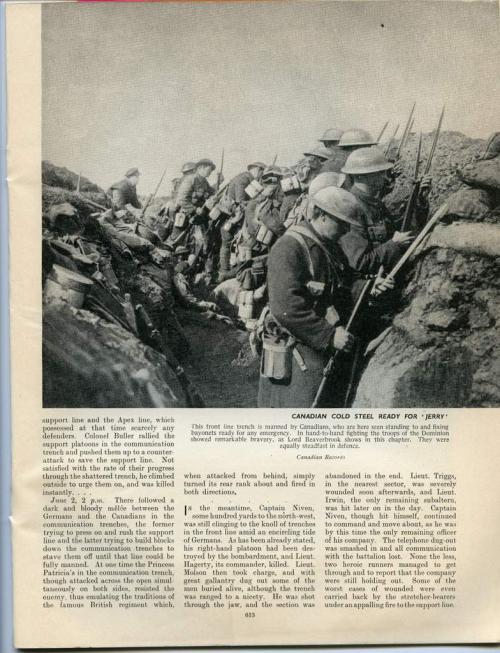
<point>460,462</point>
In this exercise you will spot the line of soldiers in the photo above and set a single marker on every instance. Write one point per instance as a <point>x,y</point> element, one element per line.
<point>299,242</point>
<point>338,233</point>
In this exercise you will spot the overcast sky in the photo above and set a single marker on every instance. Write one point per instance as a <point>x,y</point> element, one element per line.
<point>154,85</point>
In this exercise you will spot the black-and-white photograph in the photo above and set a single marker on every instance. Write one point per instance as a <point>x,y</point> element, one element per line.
<point>286,204</point>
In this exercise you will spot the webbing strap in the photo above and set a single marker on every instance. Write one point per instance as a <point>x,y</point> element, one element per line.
<point>298,237</point>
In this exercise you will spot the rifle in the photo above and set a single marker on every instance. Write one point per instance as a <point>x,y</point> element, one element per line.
<point>391,141</point>
<point>410,207</point>
<point>193,396</point>
<point>434,143</point>
<point>78,183</point>
<point>151,197</point>
<point>330,366</point>
<point>220,191</point>
<point>91,203</point>
<point>382,132</point>
<point>418,240</point>
<point>412,200</point>
<point>274,160</point>
<point>219,174</point>
<point>406,131</point>
<point>103,208</point>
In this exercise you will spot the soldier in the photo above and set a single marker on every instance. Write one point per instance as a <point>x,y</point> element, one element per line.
<point>330,140</point>
<point>182,284</point>
<point>194,188</point>
<point>236,193</point>
<point>188,168</point>
<point>492,147</point>
<point>309,167</point>
<point>191,217</point>
<point>124,192</point>
<point>263,222</point>
<point>351,140</point>
<point>308,303</point>
<point>302,209</point>
<point>169,209</point>
<point>237,186</point>
<point>304,172</point>
<point>375,241</point>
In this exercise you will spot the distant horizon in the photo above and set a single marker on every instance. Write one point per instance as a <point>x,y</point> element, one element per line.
<point>155,85</point>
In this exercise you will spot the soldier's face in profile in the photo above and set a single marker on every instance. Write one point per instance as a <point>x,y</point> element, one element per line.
<point>377,180</point>
<point>389,183</point>
<point>329,227</point>
<point>313,161</point>
<point>134,180</point>
<point>204,171</point>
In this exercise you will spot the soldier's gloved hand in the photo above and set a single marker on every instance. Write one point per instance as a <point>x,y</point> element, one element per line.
<point>199,210</point>
<point>403,237</point>
<point>425,187</point>
<point>159,256</point>
<point>209,306</point>
<point>210,203</point>
<point>343,340</point>
<point>398,168</point>
<point>382,285</point>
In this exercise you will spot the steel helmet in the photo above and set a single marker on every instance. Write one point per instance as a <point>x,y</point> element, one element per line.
<point>332,134</point>
<point>365,161</point>
<point>493,146</point>
<point>272,172</point>
<point>205,162</point>
<point>257,164</point>
<point>325,179</point>
<point>338,203</point>
<point>189,166</point>
<point>356,137</point>
<point>320,151</point>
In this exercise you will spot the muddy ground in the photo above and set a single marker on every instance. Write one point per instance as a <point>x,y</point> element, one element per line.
<point>220,363</point>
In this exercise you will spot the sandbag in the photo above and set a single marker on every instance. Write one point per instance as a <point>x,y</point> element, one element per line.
<point>469,204</point>
<point>483,174</point>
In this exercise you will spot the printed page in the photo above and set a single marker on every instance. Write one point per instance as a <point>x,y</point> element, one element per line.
<point>165,492</point>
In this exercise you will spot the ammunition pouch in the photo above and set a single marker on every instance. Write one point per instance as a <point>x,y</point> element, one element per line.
<point>377,232</point>
<point>180,220</point>
<point>245,304</point>
<point>264,235</point>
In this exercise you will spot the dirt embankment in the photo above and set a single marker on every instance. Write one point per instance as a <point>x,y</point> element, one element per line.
<point>441,350</point>
<point>443,346</point>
